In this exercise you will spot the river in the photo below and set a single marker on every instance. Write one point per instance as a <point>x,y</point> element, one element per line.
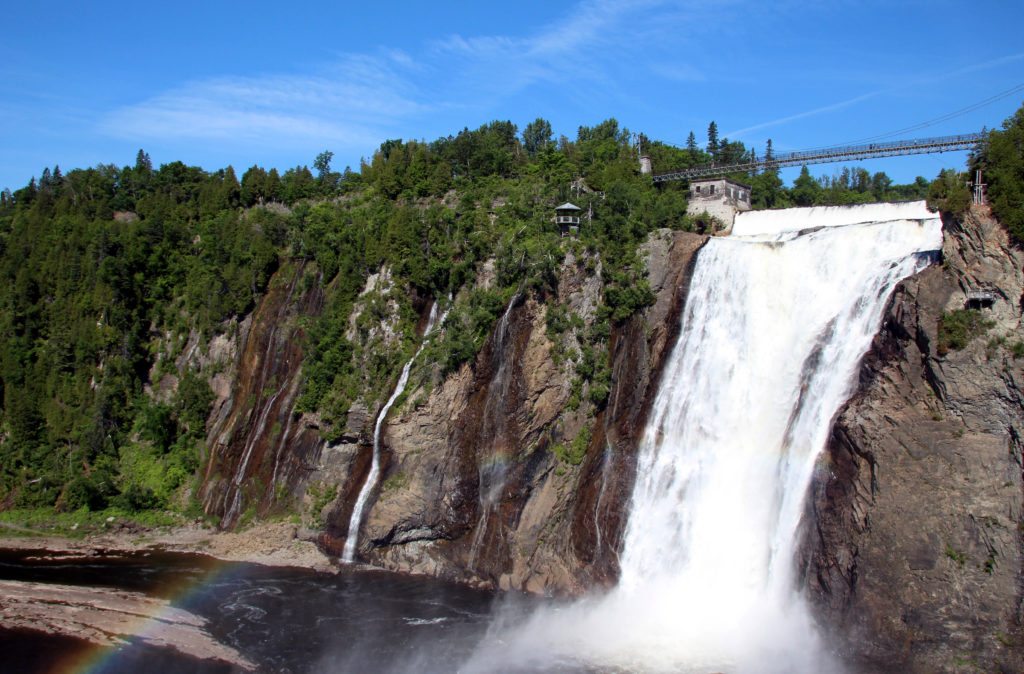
<point>283,619</point>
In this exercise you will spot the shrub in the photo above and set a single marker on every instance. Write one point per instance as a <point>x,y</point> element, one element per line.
<point>574,453</point>
<point>958,328</point>
<point>949,193</point>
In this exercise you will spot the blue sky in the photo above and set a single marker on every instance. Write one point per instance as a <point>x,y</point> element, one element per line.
<point>273,84</point>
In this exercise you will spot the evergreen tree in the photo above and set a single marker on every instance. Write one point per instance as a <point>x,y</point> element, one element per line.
<point>231,188</point>
<point>691,144</point>
<point>1003,158</point>
<point>143,164</point>
<point>272,188</point>
<point>713,140</point>
<point>537,136</point>
<point>253,188</point>
<point>806,189</point>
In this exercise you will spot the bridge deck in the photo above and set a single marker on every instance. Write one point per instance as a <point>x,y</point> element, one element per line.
<point>833,154</point>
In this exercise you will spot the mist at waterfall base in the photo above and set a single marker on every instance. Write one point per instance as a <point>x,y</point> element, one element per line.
<point>284,620</point>
<point>777,320</point>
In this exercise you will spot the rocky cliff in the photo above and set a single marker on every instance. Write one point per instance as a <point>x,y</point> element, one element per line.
<point>915,555</point>
<point>260,450</point>
<point>476,484</point>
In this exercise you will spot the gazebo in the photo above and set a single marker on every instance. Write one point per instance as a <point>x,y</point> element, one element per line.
<point>567,217</point>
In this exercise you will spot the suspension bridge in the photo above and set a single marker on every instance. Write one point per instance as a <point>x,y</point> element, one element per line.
<point>897,148</point>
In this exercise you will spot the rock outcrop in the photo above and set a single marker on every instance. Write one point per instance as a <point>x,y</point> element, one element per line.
<point>112,618</point>
<point>915,555</point>
<point>260,450</point>
<point>472,486</point>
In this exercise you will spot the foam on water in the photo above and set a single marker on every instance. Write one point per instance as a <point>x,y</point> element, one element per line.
<point>775,325</point>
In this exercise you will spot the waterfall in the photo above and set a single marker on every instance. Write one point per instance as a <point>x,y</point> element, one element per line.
<point>349,551</point>
<point>492,470</point>
<point>235,487</point>
<point>773,331</point>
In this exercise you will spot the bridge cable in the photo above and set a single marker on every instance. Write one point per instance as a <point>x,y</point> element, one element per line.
<point>915,127</point>
<point>922,125</point>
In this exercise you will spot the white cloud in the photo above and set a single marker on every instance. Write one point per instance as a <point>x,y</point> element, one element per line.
<point>738,133</point>
<point>910,85</point>
<point>361,98</point>
<point>350,103</point>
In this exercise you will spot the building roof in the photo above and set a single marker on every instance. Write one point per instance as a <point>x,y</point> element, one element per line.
<point>737,183</point>
<point>568,207</point>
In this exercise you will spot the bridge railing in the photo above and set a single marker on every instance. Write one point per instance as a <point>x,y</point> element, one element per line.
<point>833,154</point>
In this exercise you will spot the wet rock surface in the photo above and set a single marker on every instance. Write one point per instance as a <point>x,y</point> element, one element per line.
<point>914,559</point>
<point>261,451</point>
<point>109,617</point>
<point>471,488</point>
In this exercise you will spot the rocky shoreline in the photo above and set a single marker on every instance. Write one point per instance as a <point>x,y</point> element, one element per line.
<point>269,544</point>
<point>105,617</point>
<point>108,617</point>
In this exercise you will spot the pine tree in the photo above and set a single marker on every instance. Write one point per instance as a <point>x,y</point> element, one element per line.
<point>230,188</point>
<point>143,165</point>
<point>272,188</point>
<point>805,188</point>
<point>691,144</point>
<point>713,139</point>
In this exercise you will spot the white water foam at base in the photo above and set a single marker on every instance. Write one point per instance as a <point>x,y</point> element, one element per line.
<point>773,332</point>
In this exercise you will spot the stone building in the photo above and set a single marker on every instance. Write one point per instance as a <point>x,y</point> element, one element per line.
<point>721,198</point>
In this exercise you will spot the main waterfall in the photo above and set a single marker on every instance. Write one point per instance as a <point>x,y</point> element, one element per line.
<point>777,320</point>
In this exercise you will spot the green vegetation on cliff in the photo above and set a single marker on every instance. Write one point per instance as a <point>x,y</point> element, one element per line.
<point>1002,161</point>
<point>107,273</point>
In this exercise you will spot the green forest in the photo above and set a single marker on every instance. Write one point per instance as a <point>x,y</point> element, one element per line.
<point>103,267</point>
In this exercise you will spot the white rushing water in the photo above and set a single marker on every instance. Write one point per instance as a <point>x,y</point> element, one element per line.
<point>772,334</point>
<point>348,553</point>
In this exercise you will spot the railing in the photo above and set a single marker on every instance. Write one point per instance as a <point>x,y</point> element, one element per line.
<point>833,154</point>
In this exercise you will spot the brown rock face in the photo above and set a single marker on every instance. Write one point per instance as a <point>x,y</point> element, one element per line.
<point>638,354</point>
<point>260,450</point>
<point>915,558</point>
<point>471,488</point>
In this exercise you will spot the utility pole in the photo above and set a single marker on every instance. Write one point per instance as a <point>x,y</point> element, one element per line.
<point>979,188</point>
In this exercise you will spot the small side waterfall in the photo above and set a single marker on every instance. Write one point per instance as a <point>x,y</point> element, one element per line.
<point>235,490</point>
<point>492,470</point>
<point>349,552</point>
<point>775,326</point>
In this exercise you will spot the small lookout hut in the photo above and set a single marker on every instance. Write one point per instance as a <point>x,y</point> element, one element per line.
<point>567,217</point>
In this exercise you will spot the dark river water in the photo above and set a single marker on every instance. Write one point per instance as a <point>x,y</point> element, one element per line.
<point>285,620</point>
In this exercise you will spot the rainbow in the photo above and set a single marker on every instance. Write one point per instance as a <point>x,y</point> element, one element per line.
<point>155,618</point>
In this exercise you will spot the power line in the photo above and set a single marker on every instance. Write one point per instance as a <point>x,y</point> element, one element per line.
<point>915,127</point>
<point>931,122</point>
